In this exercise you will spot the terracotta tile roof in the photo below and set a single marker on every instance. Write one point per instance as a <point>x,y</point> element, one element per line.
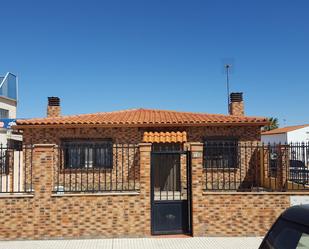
<point>143,117</point>
<point>284,129</point>
<point>165,137</point>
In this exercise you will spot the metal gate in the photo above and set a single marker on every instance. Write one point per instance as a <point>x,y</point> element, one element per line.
<point>170,189</point>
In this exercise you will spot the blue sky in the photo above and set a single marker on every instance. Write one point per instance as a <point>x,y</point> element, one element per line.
<point>110,55</point>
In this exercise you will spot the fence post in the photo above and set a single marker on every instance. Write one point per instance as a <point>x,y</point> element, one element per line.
<point>285,166</point>
<point>145,188</point>
<point>198,226</point>
<point>43,161</point>
<point>262,166</point>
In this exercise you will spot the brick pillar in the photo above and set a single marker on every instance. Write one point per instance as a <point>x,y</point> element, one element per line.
<point>145,163</point>
<point>53,108</point>
<point>43,160</point>
<point>284,166</point>
<point>197,189</point>
<point>237,108</point>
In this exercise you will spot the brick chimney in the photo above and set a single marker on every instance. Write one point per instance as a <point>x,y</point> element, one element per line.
<point>53,108</point>
<point>236,104</point>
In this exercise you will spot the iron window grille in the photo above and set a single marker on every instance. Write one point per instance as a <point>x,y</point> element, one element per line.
<point>4,113</point>
<point>221,153</point>
<point>83,154</point>
<point>15,144</point>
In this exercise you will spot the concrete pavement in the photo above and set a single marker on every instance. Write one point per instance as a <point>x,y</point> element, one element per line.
<point>141,243</point>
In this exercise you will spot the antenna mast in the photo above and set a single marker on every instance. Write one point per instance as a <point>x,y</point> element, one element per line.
<point>227,70</point>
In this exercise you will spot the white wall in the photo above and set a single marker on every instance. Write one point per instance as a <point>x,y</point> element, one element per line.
<point>299,135</point>
<point>275,138</point>
<point>3,137</point>
<point>9,105</point>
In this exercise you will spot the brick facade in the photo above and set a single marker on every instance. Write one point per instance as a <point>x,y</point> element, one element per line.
<point>249,214</point>
<point>127,214</point>
<point>53,111</point>
<point>237,108</point>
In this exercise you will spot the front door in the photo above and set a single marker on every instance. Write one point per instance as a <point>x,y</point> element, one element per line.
<point>170,189</point>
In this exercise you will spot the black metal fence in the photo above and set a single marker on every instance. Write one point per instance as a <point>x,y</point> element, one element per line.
<point>297,163</point>
<point>243,166</point>
<point>106,167</point>
<point>16,169</point>
<point>97,167</point>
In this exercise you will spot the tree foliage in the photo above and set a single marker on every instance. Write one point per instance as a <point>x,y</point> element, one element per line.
<point>273,124</point>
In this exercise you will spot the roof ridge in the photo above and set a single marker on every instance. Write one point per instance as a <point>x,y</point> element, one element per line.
<point>82,114</point>
<point>143,109</point>
<point>142,116</point>
<point>294,126</point>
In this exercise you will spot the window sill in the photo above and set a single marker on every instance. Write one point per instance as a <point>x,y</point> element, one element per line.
<point>230,192</point>
<point>89,170</point>
<point>63,194</point>
<point>219,169</point>
<point>16,195</point>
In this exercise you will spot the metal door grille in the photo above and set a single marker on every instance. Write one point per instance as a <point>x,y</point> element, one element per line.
<point>170,189</point>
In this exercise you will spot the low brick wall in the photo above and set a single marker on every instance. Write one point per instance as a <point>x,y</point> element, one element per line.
<point>244,214</point>
<point>97,216</point>
<point>72,217</point>
<point>16,218</point>
<point>101,216</point>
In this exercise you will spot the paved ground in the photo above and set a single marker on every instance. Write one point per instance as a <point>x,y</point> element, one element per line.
<point>145,243</point>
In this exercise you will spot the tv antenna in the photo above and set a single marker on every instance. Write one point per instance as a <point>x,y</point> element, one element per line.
<point>227,71</point>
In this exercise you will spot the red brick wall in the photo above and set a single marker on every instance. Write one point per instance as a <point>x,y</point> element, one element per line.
<point>135,135</point>
<point>237,108</point>
<point>72,217</point>
<point>53,111</point>
<point>54,135</point>
<point>250,214</point>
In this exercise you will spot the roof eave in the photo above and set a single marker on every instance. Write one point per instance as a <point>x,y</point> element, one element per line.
<point>27,126</point>
<point>273,133</point>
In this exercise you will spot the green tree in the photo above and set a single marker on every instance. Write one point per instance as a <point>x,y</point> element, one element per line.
<point>273,124</point>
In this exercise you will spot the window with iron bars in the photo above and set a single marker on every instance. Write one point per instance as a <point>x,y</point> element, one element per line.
<point>221,153</point>
<point>4,113</point>
<point>7,155</point>
<point>83,154</point>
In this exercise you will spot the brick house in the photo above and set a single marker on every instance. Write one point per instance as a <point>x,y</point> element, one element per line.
<point>144,172</point>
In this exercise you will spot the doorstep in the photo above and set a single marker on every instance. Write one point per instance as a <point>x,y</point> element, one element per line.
<point>170,236</point>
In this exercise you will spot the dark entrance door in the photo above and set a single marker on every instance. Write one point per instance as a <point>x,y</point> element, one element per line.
<point>170,189</point>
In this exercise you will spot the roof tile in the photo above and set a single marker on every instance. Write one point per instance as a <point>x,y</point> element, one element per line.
<point>284,129</point>
<point>144,117</point>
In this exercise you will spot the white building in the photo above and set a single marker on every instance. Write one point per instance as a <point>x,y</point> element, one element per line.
<point>289,134</point>
<point>8,106</point>
<point>11,175</point>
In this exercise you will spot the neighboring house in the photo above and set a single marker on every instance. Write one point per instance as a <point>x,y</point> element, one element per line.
<point>298,137</point>
<point>8,106</point>
<point>8,138</point>
<point>144,172</point>
<point>289,134</point>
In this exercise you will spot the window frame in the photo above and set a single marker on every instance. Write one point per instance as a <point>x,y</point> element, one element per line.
<point>221,139</point>
<point>87,161</point>
<point>6,112</point>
